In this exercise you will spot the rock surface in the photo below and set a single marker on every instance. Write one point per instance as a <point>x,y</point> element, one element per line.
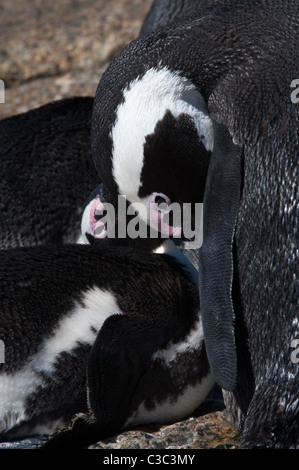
<point>209,431</point>
<point>208,427</point>
<point>50,50</point>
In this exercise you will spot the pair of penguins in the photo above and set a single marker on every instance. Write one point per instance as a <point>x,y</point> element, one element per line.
<point>209,101</point>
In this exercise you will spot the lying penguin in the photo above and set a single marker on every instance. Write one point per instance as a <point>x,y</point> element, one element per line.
<point>129,318</point>
<point>202,112</point>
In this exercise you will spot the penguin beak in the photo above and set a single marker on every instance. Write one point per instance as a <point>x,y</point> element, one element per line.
<point>91,223</point>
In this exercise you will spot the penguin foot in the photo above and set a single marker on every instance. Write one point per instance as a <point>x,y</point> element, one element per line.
<point>83,433</point>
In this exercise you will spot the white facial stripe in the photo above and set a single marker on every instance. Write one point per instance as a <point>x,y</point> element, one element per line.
<point>95,307</point>
<point>85,224</point>
<point>82,240</point>
<point>145,103</point>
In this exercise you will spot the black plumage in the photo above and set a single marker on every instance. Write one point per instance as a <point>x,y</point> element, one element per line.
<point>46,173</point>
<point>240,56</point>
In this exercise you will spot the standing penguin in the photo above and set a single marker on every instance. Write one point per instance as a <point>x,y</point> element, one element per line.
<point>203,112</point>
<point>46,173</point>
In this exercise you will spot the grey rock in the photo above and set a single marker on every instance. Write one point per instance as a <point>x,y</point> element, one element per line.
<point>212,430</point>
<point>53,50</point>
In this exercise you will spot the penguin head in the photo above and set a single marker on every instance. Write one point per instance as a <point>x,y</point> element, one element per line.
<point>157,148</point>
<point>91,225</point>
<point>104,222</point>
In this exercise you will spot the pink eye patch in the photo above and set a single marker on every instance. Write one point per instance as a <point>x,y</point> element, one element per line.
<point>91,223</point>
<point>98,228</point>
<point>159,208</point>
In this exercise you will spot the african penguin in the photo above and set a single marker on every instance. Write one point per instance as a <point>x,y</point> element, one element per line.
<point>126,319</point>
<point>46,173</point>
<point>201,112</point>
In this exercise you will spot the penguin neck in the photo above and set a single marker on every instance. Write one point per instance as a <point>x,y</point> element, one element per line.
<point>169,248</point>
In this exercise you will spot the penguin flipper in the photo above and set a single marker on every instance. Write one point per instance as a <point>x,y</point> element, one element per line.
<point>120,354</point>
<point>220,206</point>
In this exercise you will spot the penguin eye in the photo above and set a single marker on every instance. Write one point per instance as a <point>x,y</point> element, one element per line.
<point>162,202</point>
<point>99,213</point>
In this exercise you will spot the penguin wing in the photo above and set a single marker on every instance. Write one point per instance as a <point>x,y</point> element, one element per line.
<point>220,206</point>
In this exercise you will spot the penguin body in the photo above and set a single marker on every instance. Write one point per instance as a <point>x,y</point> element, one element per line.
<point>129,318</point>
<point>221,82</point>
<point>46,173</point>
